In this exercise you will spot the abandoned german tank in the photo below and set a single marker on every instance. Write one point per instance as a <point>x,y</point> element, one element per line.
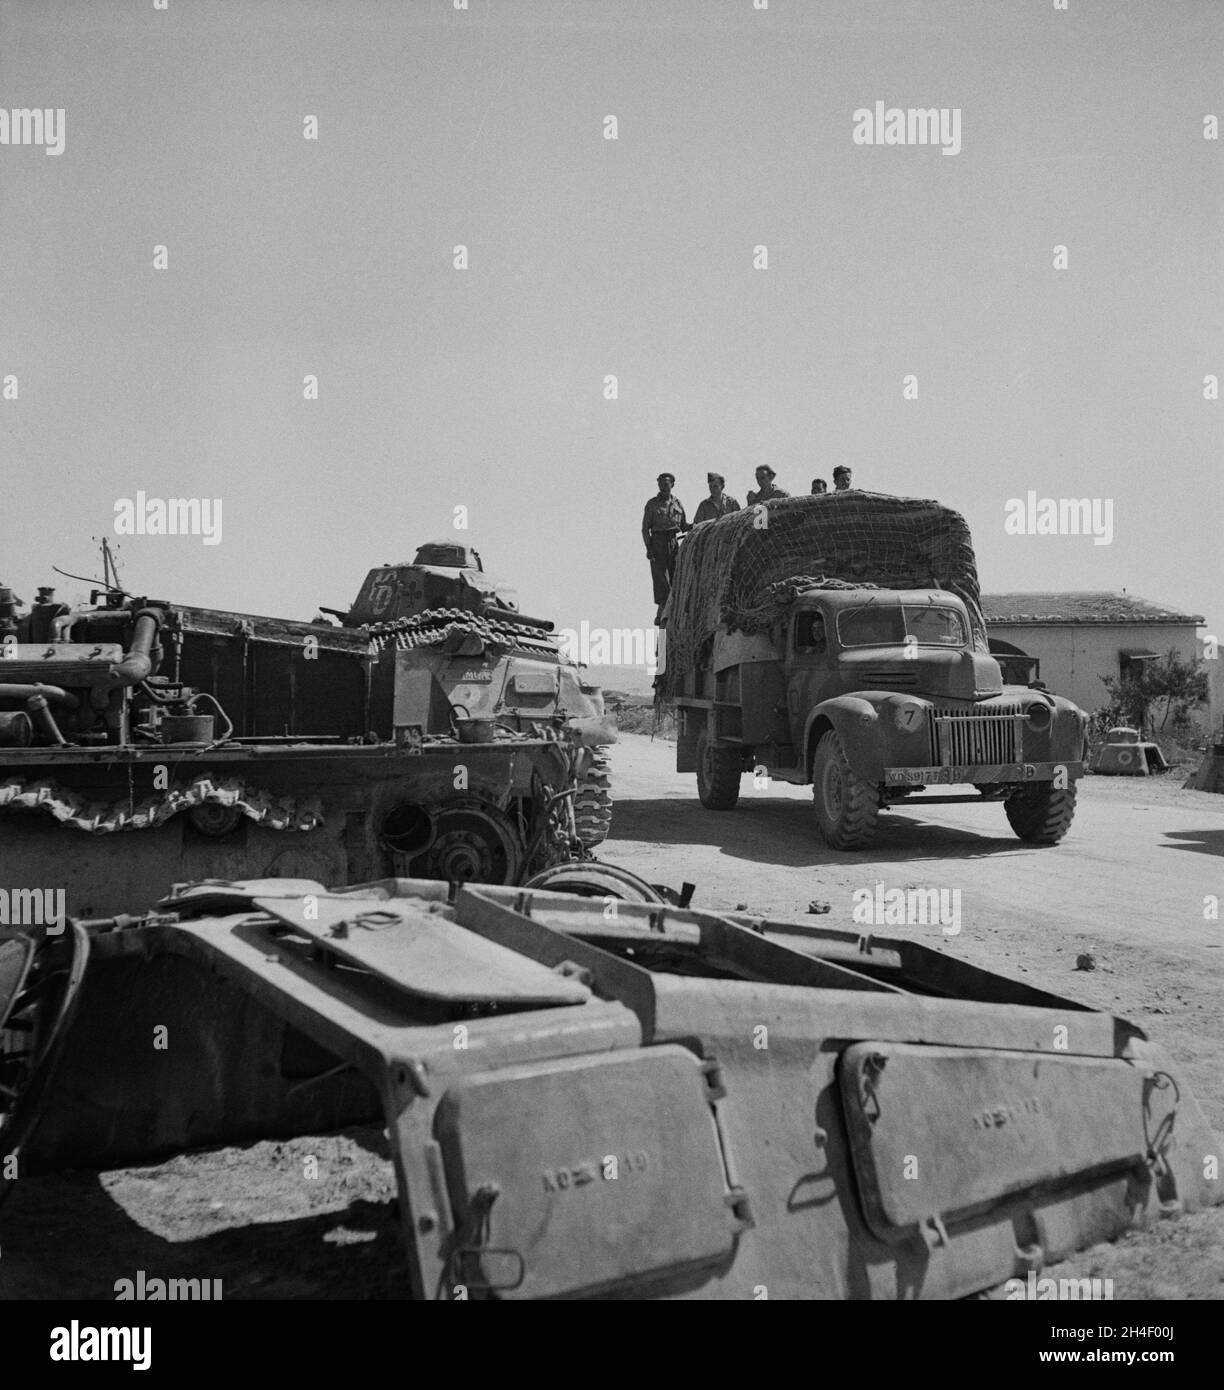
<point>607,1098</point>
<point>434,732</point>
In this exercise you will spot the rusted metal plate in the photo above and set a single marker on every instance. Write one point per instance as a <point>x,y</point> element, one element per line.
<point>422,953</point>
<point>939,1132</point>
<point>575,1175</point>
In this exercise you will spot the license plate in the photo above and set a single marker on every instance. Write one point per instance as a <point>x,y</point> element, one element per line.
<point>921,776</point>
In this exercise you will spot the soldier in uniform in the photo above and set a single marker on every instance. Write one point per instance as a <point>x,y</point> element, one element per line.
<point>718,503</point>
<point>662,522</point>
<point>819,486</point>
<point>766,492</point>
<point>841,478</point>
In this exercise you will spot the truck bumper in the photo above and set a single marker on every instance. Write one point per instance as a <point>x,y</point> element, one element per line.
<point>1002,772</point>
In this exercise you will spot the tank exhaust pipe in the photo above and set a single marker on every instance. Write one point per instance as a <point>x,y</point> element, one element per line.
<point>138,664</point>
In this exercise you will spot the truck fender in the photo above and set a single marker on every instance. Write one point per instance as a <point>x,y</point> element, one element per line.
<point>855,721</point>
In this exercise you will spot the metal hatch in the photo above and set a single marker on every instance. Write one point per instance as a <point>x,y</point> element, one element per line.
<point>938,1132</point>
<point>575,1175</point>
<point>422,953</point>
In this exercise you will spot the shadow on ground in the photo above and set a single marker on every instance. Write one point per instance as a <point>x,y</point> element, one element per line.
<point>1201,841</point>
<point>783,832</point>
<point>66,1235</point>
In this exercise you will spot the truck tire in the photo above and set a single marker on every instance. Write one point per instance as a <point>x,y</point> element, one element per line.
<point>847,808</point>
<point>718,774</point>
<point>593,803</point>
<point>1041,814</point>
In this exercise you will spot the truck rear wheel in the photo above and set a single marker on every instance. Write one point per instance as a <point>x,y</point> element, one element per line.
<point>847,808</point>
<point>593,803</point>
<point>1041,813</point>
<point>718,774</point>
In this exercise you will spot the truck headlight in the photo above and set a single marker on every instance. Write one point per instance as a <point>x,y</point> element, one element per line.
<point>1039,716</point>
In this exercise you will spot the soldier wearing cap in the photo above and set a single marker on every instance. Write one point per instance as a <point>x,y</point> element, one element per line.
<point>819,487</point>
<point>718,503</point>
<point>766,492</point>
<point>841,478</point>
<point>662,522</point>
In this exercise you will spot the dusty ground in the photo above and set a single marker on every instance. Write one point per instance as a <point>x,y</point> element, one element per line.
<point>1127,886</point>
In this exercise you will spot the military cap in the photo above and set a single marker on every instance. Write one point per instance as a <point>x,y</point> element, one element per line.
<point>765,468</point>
<point>716,478</point>
<point>671,478</point>
<point>841,468</point>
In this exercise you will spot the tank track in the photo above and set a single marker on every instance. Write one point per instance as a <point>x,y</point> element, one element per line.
<point>72,809</point>
<point>434,626</point>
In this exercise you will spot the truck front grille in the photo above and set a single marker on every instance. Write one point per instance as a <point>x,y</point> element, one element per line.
<point>964,738</point>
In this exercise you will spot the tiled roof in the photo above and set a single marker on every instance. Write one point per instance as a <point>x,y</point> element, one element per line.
<point>1079,607</point>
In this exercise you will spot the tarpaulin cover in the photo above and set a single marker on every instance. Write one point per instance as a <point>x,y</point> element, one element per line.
<point>743,574</point>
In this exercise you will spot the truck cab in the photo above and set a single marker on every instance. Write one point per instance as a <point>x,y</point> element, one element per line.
<point>840,641</point>
<point>871,695</point>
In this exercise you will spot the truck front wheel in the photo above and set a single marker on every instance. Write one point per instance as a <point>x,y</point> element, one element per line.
<point>847,808</point>
<point>1041,813</point>
<point>718,774</point>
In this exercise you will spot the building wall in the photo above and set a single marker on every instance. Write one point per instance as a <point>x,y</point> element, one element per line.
<point>1213,660</point>
<point>1074,656</point>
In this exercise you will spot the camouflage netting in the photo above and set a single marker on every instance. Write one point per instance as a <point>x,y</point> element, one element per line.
<point>741,574</point>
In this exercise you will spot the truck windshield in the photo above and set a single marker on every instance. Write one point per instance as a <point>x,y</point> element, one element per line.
<point>890,626</point>
<point>935,627</point>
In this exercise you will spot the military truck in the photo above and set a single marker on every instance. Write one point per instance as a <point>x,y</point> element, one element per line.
<point>145,742</point>
<point>841,645</point>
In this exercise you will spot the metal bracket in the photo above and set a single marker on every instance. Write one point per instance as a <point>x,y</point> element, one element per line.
<point>476,1227</point>
<point>741,1208</point>
<point>869,1097</point>
<point>1160,1143</point>
<point>571,970</point>
<point>933,1232</point>
<point>711,1069</point>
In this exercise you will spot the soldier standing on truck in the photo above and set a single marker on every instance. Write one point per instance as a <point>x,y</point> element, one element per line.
<point>662,522</point>
<point>718,503</point>
<point>766,492</point>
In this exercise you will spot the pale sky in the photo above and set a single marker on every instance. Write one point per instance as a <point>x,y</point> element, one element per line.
<point>590,257</point>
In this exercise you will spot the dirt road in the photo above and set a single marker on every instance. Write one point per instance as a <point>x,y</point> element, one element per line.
<point>1131,885</point>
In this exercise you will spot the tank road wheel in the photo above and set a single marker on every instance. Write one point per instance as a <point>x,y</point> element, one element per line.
<point>847,808</point>
<point>593,803</point>
<point>471,844</point>
<point>718,774</point>
<point>591,879</point>
<point>1041,813</point>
